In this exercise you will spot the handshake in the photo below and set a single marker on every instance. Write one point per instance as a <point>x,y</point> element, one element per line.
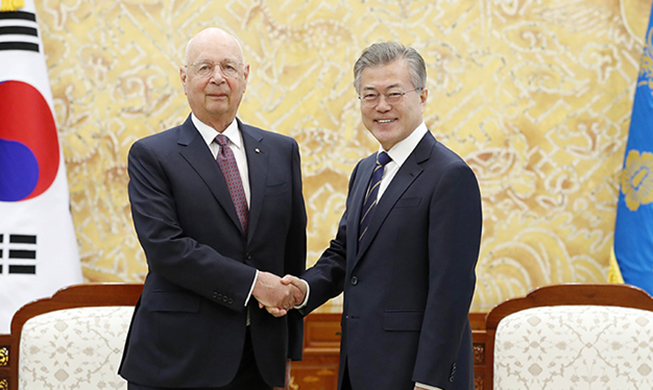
<point>279,295</point>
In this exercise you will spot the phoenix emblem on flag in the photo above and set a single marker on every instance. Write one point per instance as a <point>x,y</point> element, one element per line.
<point>637,179</point>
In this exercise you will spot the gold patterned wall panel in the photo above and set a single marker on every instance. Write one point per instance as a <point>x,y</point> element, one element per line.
<point>534,94</point>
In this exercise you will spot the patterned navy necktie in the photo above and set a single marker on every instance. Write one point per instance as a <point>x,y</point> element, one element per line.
<point>227,163</point>
<point>370,202</point>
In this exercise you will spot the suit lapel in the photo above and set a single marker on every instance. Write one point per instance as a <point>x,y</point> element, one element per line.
<point>361,181</point>
<point>257,163</point>
<point>408,172</point>
<point>196,152</point>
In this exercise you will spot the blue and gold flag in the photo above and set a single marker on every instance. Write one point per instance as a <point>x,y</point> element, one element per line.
<point>633,237</point>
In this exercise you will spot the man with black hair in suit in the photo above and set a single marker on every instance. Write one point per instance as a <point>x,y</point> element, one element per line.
<point>407,245</point>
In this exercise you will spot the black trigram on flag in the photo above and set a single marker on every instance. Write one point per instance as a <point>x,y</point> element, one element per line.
<point>18,31</point>
<point>17,254</point>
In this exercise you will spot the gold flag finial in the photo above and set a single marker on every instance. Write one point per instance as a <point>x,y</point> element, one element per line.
<point>11,5</point>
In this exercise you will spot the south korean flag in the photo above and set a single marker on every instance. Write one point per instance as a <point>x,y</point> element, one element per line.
<point>38,249</point>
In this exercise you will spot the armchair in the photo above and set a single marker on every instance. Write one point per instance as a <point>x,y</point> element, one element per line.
<point>572,336</point>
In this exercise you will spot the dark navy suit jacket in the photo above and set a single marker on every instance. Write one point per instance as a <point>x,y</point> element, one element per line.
<point>189,326</point>
<point>409,284</point>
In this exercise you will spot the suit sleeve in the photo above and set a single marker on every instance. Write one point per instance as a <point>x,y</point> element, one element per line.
<point>170,252</point>
<point>326,278</point>
<point>455,220</point>
<point>296,253</point>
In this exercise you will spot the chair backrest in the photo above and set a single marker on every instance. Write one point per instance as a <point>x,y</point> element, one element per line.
<point>572,336</point>
<point>73,340</point>
<point>78,348</point>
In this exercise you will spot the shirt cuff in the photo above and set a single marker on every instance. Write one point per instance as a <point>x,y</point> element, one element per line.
<point>427,387</point>
<point>251,289</point>
<point>308,292</point>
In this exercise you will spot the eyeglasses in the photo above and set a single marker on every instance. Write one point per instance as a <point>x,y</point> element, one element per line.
<point>228,68</point>
<point>371,99</point>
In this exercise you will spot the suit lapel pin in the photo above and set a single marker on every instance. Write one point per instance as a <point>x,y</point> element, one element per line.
<point>257,150</point>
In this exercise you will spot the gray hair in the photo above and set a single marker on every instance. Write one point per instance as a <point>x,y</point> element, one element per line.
<point>385,53</point>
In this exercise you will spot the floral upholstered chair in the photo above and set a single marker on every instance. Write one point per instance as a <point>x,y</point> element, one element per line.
<point>576,336</point>
<point>73,340</point>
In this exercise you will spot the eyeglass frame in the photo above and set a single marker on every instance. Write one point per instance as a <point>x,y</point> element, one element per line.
<point>220,65</point>
<point>374,103</point>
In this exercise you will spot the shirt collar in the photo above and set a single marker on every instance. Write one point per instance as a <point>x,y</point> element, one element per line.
<point>208,133</point>
<point>402,149</point>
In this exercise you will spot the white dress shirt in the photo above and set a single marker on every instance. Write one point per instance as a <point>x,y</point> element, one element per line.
<point>236,144</point>
<point>399,153</point>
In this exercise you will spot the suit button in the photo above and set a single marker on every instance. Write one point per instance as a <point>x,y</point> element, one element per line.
<point>230,301</point>
<point>452,374</point>
<point>354,280</point>
<point>225,299</point>
<point>248,256</point>
<point>215,295</point>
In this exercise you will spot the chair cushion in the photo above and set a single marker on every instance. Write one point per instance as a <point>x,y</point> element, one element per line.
<point>574,347</point>
<point>76,348</point>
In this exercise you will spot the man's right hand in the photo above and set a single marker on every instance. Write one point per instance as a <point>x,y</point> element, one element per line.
<point>277,297</point>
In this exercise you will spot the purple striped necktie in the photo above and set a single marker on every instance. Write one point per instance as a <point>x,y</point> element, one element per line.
<point>227,163</point>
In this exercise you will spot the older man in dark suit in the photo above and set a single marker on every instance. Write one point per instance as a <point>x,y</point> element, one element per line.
<point>407,245</point>
<point>219,211</point>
